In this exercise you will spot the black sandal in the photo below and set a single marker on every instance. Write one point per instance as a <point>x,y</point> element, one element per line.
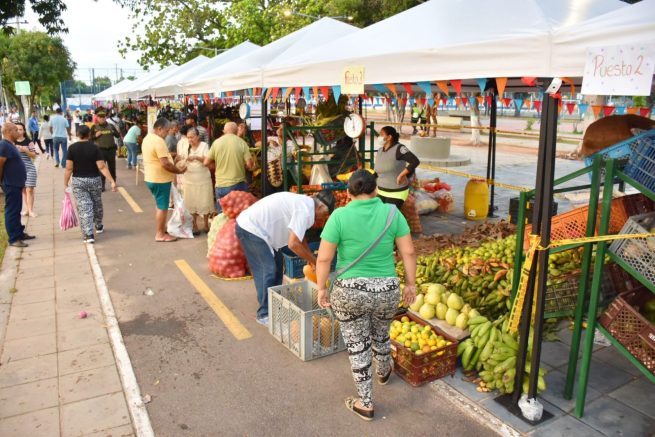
<point>366,415</point>
<point>384,380</point>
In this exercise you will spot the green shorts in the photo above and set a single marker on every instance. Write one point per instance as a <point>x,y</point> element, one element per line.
<point>161,192</point>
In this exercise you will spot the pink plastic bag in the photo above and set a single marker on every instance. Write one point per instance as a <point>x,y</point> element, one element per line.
<point>68,218</point>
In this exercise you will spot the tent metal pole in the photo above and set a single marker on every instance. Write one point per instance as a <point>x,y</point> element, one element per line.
<point>545,209</point>
<point>264,152</point>
<point>491,154</point>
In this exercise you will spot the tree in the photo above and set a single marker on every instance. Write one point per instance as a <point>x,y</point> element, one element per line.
<point>49,12</point>
<point>170,32</point>
<point>36,57</point>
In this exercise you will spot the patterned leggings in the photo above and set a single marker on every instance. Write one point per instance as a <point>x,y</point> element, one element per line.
<point>365,308</point>
<point>88,196</point>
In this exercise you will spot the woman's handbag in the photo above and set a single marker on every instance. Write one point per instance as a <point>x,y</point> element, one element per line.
<point>333,276</point>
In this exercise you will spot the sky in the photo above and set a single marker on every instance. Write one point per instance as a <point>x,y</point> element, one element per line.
<point>93,42</point>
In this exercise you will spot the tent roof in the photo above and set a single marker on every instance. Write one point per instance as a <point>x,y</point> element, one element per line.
<point>134,88</point>
<point>172,84</point>
<point>151,84</point>
<point>445,39</point>
<point>246,72</point>
<point>629,25</point>
<point>114,88</point>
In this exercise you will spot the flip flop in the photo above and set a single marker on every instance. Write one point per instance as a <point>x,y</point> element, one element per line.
<point>167,239</point>
<point>366,415</point>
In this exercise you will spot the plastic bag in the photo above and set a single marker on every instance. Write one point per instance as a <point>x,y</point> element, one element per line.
<point>530,408</point>
<point>227,258</point>
<point>68,218</point>
<point>424,203</point>
<point>180,224</point>
<point>215,227</point>
<point>320,175</point>
<point>445,199</point>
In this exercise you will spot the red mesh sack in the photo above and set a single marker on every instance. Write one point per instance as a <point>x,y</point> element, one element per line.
<point>235,202</point>
<point>226,258</point>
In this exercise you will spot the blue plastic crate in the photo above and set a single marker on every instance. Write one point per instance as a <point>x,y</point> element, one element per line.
<point>335,186</point>
<point>642,161</point>
<point>293,264</point>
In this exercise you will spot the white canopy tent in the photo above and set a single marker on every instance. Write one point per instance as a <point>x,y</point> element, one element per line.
<point>173,84</point>
<point>104,95</point>
<point>246,72</point>
<point>446,39</point>
<point>135,90</point>
<point>148,87</point>
<point>635,23</point>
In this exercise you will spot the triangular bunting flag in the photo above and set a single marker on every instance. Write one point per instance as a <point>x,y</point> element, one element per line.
<point>287,93</point>
<point>529,81</point>
<point>457,84</point>
<point>408,88</point>
<point>427,89</point>
<point>297,90</point>
<point>337,93</point>
<point>380,87</point>
<point>283,93</point>
<point>444,101</point>
<point>443,86</point>
<point>518,104</point>
<point>537,105</point>
<point>582,108</point>
<point>596,109</point>
<point>633,109</point>
<point>489,100</point>
<point>644,112</point>
<point>607,110</point>
<point>620,110</point>
<point>480,100</point>
<point>482,84</point>
<point>570,107</point>
<point>465,101</point>
<point>305,93</point>
<point>326,93</point>
<point>316,96</point>
<point>392,88</point>
<point>500,83</point>
<point>458,102</point>
<point>507,101</point>
<point>274,93</point>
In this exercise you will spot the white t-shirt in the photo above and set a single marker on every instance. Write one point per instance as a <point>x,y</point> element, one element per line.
<point>272,217</point>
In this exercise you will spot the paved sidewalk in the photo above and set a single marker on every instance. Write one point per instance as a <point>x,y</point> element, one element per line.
<point>58,374</point>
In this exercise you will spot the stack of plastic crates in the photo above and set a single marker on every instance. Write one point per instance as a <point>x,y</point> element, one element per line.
<point>641,167</point>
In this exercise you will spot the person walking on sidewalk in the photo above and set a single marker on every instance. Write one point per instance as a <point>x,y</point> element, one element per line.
<point>131,142</point>
<point>104,134</point>
<point>12,177</point>
<point>61,133</point>
<point>28,153</point>
<point>85,164</point>
<point>33,125</point>
<point>159,173</point>
<point>366,292</point>
<point>232,157</point>
<point>45,134</point>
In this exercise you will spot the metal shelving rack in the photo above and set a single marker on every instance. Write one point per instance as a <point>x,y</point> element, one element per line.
<point>612,173</point>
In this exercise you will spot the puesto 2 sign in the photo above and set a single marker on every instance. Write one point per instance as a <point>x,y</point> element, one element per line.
<point>352,80</point>
<point>619,70</point>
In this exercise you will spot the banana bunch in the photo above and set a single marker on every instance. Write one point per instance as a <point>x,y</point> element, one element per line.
<point>492,351</point>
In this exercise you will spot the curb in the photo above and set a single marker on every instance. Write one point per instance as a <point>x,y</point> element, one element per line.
<point>474,410</point>
<point>140,418</point>
<point>8,275</point>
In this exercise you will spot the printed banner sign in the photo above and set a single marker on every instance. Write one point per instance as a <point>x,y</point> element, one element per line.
<point>23,88</point>
<point>352,80</point>
<point>619,70</point>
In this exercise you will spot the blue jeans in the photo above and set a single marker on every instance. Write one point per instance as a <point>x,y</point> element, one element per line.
<point>224,191</point>
<point>266,267</point>
<point>63,143</point>
<point>132,149</point>
<point>13,205</point>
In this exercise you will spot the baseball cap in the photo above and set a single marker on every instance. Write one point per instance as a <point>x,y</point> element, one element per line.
<point>327,198</point>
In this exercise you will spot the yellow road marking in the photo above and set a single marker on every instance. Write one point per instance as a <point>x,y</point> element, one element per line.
<point>135,206</point>
<point>227,317</point>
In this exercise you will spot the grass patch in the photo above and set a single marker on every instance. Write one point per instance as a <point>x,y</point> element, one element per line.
<point>4,239</point>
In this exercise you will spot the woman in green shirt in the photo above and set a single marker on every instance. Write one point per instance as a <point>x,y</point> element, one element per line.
<point>366,296</point>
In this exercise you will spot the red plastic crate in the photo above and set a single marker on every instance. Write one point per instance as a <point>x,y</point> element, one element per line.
<point>573,224</point>
<point>630,328</point>
<point>417,370</point>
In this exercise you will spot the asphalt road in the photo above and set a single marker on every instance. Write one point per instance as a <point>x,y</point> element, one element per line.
<point>205,382</point>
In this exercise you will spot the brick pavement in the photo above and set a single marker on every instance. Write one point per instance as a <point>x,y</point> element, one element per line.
<point>58,374</point>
